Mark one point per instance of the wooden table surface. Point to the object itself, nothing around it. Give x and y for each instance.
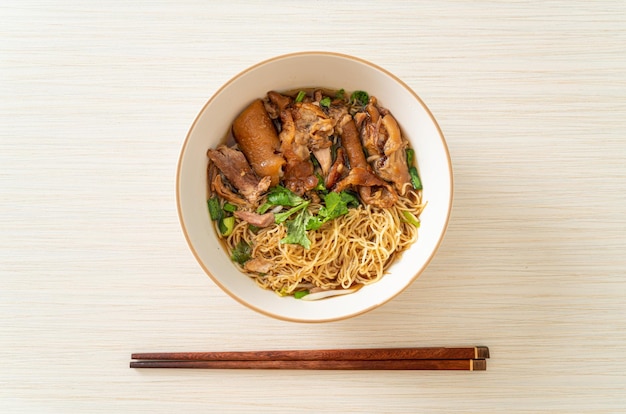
(96, 99)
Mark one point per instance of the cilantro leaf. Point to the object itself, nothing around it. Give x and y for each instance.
(350, 198)
(320, 187)
(336, 204)
(314, 222)
(280, 196)
(296, 230)
(241, 253)
(280, 217)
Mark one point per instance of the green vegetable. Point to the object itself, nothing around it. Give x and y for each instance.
(280, 196)
(262, 209)
(226, 225)
(280, 217)
(314, 222)
(300, 96)
(336, 204)
(300, 294)
(215, 211)
(360, 98)
(325, 102)
(410, 157)
(241, 253)
(296, 229)
(320, 187)
(341, 93)
(411, 219)
(415, 178)
(316, 163)
(225, 222)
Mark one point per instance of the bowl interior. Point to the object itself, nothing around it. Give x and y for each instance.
(313, 69)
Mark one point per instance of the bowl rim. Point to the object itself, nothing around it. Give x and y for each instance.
(286, 56)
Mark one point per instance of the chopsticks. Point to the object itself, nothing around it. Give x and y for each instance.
(426, 358)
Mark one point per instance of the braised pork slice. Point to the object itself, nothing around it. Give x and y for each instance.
(371, 137)
(336, 170)
(382, 139)
(258, 265)
(235, 167)
(372, 189)
(392, 166)
(313, 129)
(259, 220)
(298, 174)
(278, 102)
(224, 191)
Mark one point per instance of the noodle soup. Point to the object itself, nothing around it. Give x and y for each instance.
(315, 192)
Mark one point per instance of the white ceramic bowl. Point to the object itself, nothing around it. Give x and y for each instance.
(288, 72)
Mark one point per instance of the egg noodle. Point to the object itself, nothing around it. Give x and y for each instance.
(354, 249)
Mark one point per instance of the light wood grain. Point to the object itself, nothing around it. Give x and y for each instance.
(96, 98)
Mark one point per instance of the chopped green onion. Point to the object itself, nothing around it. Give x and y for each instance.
(300, 96)
(226, 225)
(410, 157)
(415, 178)
(325, 102)
(300, 294)
(360, 97)
(231, 208)
(262, 209)
(410, 218)
(215, 211)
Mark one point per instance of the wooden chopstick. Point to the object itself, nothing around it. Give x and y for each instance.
(428, 358)
(389, 364)
(436, 353)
